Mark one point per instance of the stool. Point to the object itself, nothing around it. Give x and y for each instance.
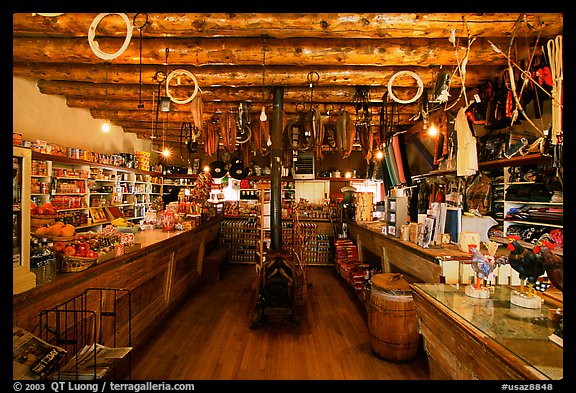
(212, 264)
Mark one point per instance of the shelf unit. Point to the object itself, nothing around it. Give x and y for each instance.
(77, 186)
(510, 204)
(240, 237)
(396, 214)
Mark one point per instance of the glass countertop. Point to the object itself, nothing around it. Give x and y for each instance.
(523, 331)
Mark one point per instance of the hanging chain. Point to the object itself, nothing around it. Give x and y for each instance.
(140, 28)
(312, 77)
(106, 64)
(263, 69)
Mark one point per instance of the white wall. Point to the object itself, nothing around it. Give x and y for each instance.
(47, 117)
(311, 190)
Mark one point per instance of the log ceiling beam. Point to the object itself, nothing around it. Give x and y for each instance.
(240, 57)
(247, 76)
(287, 25)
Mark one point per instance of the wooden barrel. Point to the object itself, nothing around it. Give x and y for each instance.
(392, 318)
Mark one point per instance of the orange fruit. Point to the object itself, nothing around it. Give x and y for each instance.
(67, 231)
(42, 231)
(69, 251)
(54, 230)
(59, 223)
(47, 205)
(59, 246)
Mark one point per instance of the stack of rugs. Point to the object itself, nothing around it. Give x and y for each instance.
(348, 265)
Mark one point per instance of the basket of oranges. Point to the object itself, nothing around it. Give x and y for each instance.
(57, 231)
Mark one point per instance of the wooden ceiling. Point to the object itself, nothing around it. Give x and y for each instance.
(240, 58)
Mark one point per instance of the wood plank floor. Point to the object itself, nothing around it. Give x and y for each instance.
(208, 337)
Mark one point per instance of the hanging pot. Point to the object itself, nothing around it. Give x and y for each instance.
(237, 170)
(217, 168)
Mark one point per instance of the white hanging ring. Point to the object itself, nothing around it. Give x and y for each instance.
(48, 15)
(188, 74)
(94, 45)
(413, 75)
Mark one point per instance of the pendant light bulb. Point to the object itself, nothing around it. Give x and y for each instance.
(105, 127)
(432, 131)
(166, 152)
(263, 116)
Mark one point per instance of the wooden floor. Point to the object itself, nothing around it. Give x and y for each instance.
(208, 337)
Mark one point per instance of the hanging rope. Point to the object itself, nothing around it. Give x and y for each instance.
(556, 68)
(525, 74)
(461, 65)
(418, 81)
(94, 44)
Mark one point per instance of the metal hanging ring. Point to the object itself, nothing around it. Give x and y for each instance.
(94, 45)
(413, 75)
(313, 77)
(244, 135)
(159, 76)
(188, 74)
(144, 24)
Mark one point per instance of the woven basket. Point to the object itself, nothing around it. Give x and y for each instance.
(76, 264)
(37, 221)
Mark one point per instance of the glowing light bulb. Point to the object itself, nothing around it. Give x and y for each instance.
(206, 168)
(263, 116)
(348, 174)
(379, 155)
(166, 152)
(105, 127)
(432, 131)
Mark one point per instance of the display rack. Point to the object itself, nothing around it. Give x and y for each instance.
(82, 185)
(97, 316)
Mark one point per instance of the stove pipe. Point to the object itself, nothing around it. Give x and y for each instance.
(275, 174)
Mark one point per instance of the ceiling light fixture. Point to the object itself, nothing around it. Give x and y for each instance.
(432, 131)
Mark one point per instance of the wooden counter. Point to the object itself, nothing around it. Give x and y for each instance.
(157, 277)
(420, 263)
(486, 339)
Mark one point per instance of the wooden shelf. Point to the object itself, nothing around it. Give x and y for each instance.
(75, 161)
(528, 159)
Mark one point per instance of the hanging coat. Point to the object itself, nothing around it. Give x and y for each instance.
(466, 155)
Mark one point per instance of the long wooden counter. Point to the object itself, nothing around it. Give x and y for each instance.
(420, 263)
(157, 277)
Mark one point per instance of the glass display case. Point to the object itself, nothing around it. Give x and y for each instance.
(23, 278)
(511, 331)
